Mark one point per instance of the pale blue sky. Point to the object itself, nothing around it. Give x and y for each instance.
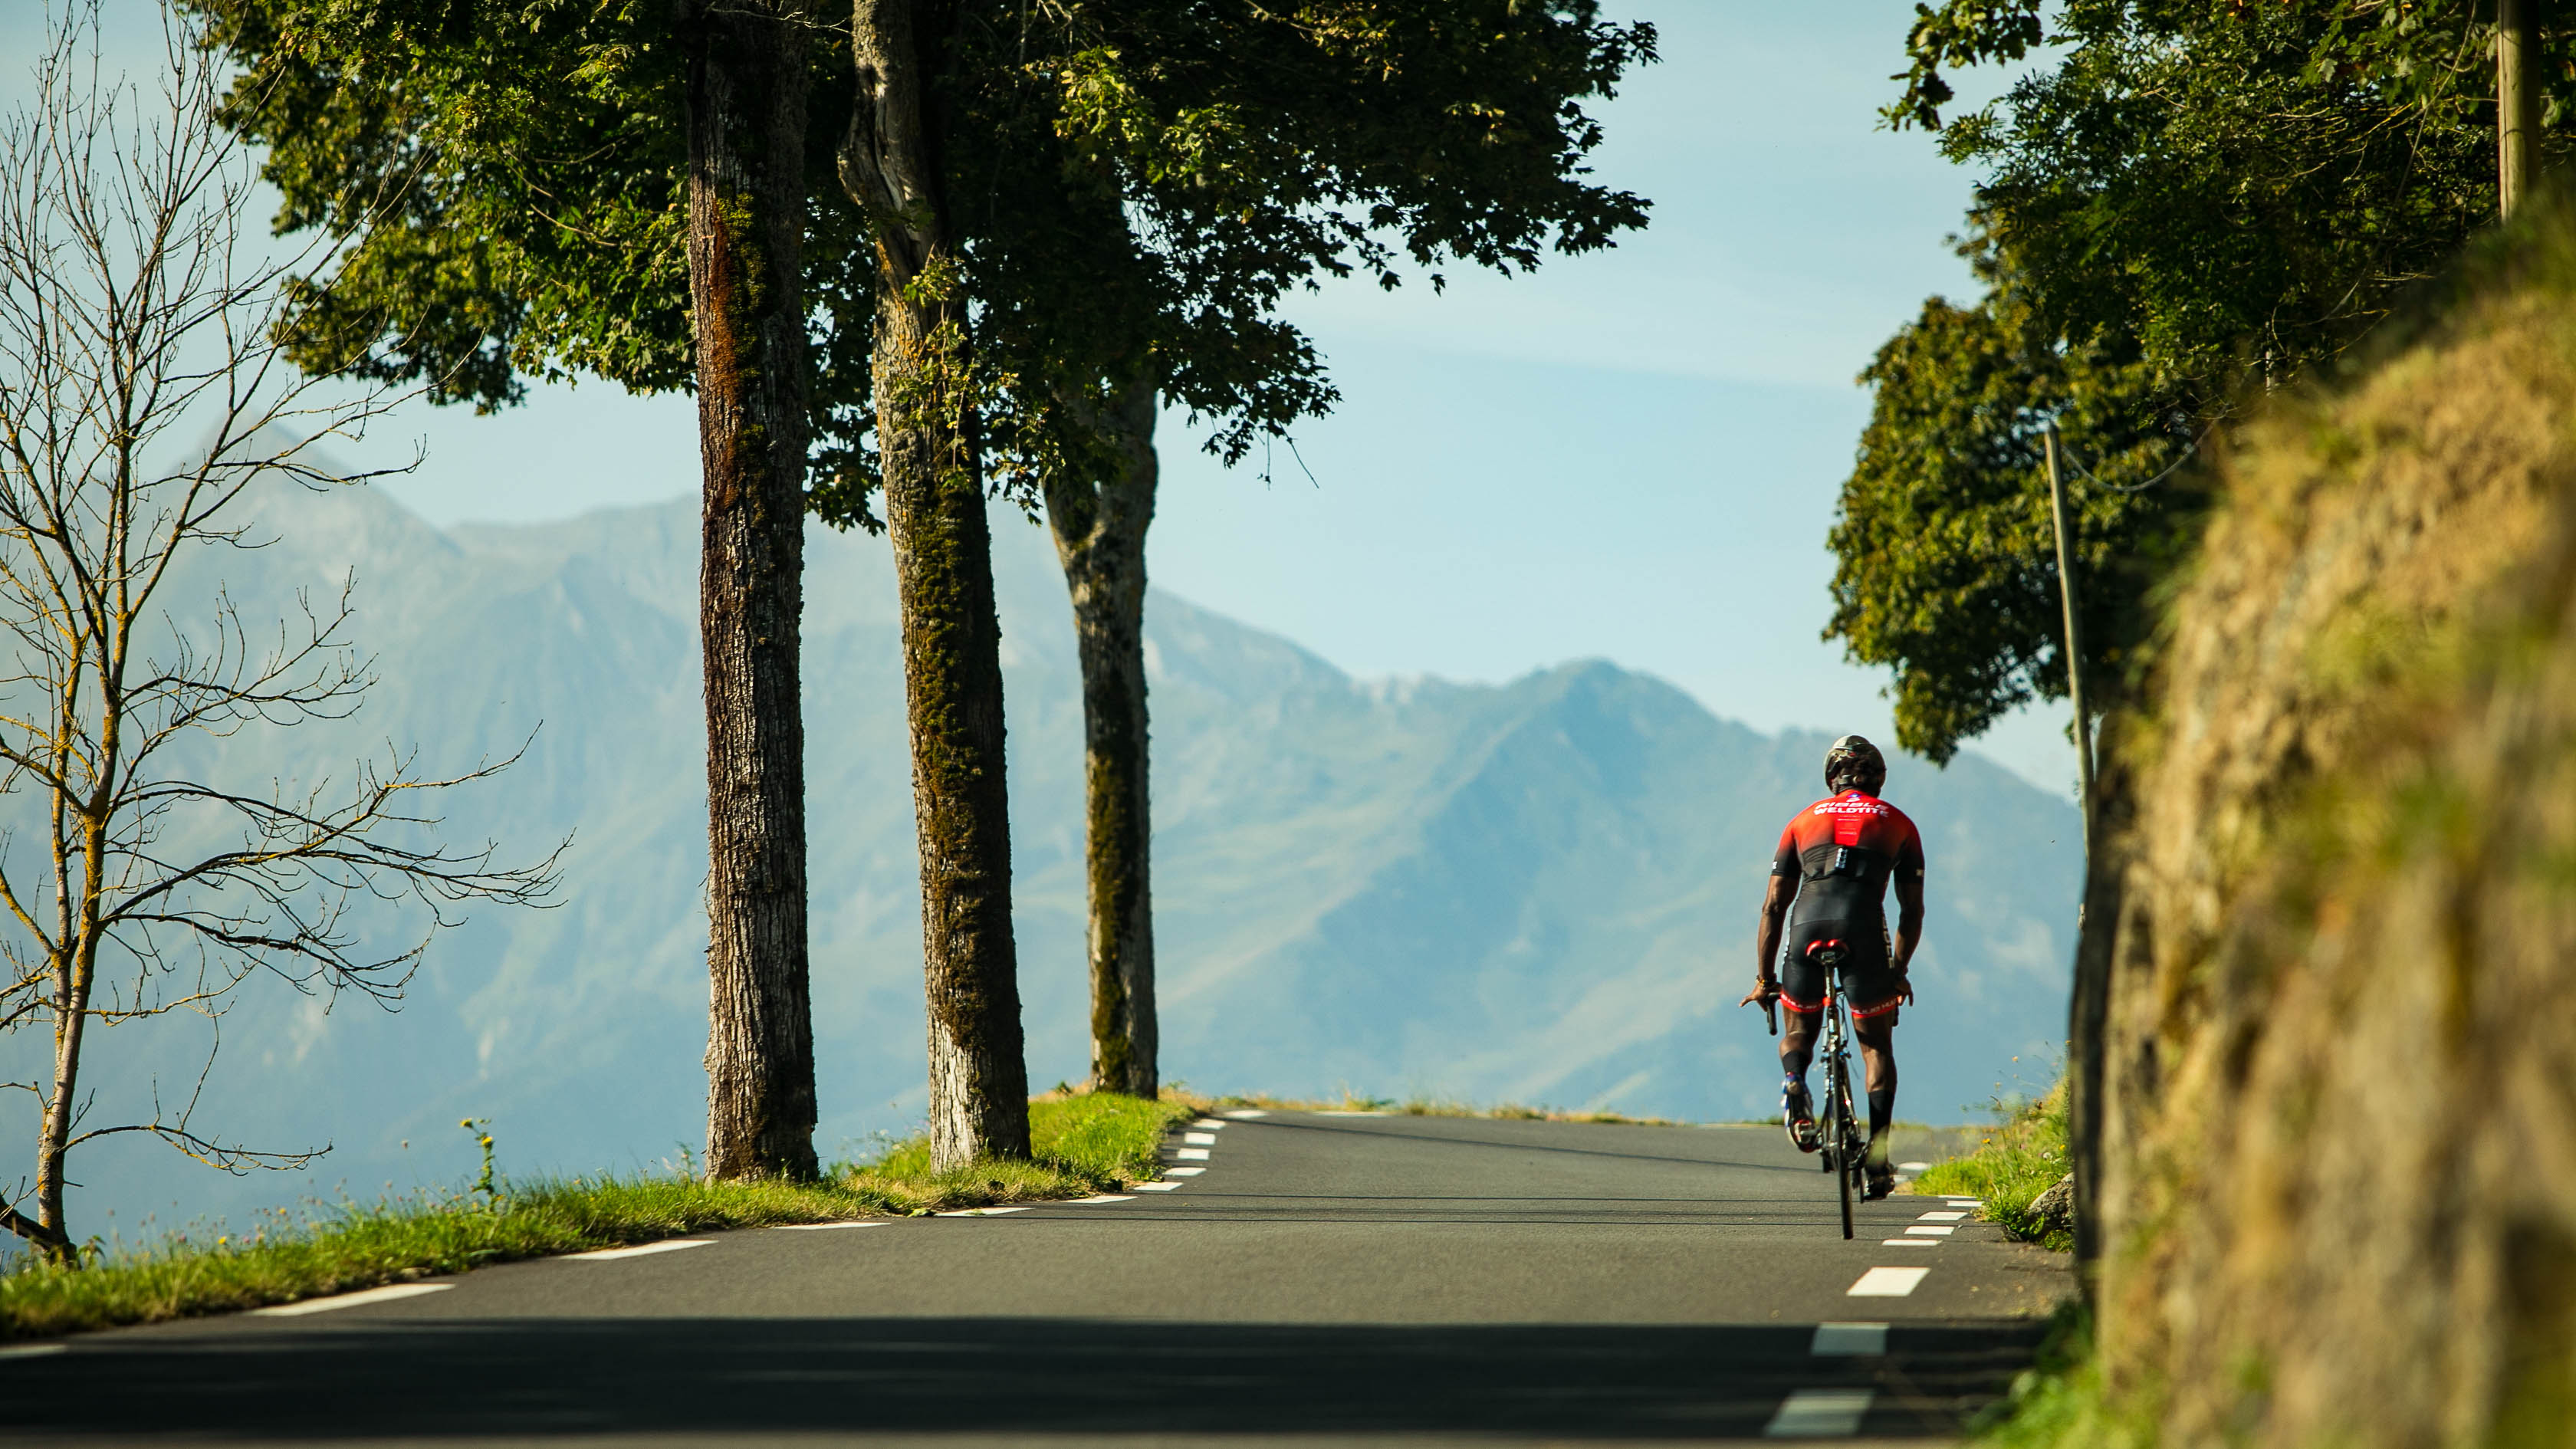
(1631, 455)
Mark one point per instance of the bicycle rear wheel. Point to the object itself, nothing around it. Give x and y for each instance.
(1839, 1108)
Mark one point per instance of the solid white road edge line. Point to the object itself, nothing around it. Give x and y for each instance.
(1887, 1283)
(1820, 1414)
(386, 1294)
(31, 1350)
(1246, 1114)
(610, 1255)
(1849, 1340)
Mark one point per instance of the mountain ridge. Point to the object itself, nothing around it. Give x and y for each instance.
(1538, 890)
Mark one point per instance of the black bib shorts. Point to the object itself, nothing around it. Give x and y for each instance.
(1870, 982)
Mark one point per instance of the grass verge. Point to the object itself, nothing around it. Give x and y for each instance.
(2058, 1402)
(2021, 1158)
(1083, 1144)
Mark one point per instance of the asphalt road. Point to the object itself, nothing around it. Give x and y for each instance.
(1324, 1279)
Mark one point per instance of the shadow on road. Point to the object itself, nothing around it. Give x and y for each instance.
(730, 1377)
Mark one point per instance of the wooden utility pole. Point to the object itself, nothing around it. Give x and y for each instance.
(2074, 642)
(2088, 1000)
(2517, 102)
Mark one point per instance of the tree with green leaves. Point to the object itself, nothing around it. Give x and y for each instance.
(1171, 175)
(551, 187)
(1063, 217)
(2187, 205)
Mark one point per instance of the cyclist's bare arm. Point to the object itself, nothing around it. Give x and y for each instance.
(1766, 935)
(1909, 925)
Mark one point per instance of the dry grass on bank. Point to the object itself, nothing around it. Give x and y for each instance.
(1418, 1106)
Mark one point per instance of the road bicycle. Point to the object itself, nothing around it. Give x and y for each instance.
(1844, 1147)
(1846, 1143)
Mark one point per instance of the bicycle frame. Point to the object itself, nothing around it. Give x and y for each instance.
(1845, 1146)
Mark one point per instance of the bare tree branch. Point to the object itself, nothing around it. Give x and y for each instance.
(144, 404)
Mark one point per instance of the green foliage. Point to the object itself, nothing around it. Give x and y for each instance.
(1084, 1145)
(2193, 202)
(1142, 182)
(1136, 184)
(2024, 1156)
(510, 178)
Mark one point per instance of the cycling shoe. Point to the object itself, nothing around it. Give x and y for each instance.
(1798, 1116)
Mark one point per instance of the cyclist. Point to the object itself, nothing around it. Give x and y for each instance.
(1834, 862)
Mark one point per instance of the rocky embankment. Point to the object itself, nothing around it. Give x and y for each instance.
(2338, 876)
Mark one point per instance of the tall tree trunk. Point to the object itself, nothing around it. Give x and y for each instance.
(952, 641)
(1100, 538)
(49, 1233)
(746, 123)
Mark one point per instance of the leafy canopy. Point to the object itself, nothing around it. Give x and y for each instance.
(1137, 185)
(2187, 204)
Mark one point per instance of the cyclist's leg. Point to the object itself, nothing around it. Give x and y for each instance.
(1877, 1038)
(1802, 995)
(1875, 994)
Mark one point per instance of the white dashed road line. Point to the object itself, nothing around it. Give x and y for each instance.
(1952, 1216)
(1909, 1242)
(1849, 1340)
(1199, 1139)
(31, 1350)
(1914, 1167)
(823, 1227)
(1888, 1283)
(1191, 1154)
(1938, 1230)
(610, 1255)
(386, 1294)
(1104, 1197)
(1209, 1124)
(1820, 1414)
(1246, 1114)
(1349, 1113)
(987, 1212)
(1154, 1186)
(1183, 1171)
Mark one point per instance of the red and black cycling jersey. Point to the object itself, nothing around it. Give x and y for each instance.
(1841, 850)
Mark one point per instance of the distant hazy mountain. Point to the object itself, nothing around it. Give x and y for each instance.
(1542, 891)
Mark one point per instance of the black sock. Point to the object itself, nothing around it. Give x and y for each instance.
(1882, 1110)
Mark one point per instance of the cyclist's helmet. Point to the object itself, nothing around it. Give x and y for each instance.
(1854, 761)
